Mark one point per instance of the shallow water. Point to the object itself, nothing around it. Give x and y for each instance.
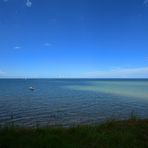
(70, 101)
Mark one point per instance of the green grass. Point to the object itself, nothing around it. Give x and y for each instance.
(112, 134)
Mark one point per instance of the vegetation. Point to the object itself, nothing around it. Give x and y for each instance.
(131, 133)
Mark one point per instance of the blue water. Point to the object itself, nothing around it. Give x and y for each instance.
(71, 101)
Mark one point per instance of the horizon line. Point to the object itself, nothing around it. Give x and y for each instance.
(66, 78)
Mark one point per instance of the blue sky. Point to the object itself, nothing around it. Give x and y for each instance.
(74, 38)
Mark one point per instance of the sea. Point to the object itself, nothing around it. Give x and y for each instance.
(70, 102)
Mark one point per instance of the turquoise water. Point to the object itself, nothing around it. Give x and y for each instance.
(136, 89)
(71, 101)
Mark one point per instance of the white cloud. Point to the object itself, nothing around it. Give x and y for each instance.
(146, 1)
(28, 3)
(17, 47)
(47, 44)
(141, 72)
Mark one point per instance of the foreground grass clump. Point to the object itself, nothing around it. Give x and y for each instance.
(112, 134)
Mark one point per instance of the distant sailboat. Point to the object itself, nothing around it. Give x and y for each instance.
(31, 88)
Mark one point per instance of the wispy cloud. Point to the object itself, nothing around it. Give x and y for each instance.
(141, 72)
(146, 58)
(17, 47)
(52, 21)
(28, 3)
(47, 44)
(2, 72)
(146, 2)
(5, 0)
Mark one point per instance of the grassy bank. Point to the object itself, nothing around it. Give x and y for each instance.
(112, 134)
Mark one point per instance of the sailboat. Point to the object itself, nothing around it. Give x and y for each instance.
(31, 88)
